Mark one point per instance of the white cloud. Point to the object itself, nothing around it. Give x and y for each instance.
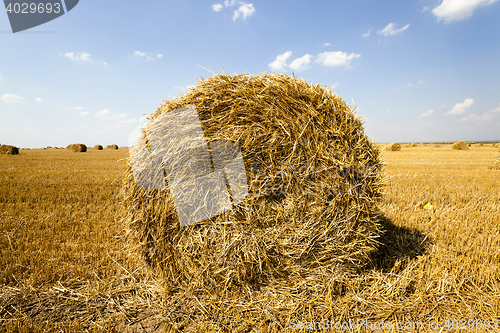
(245, 10)
(336, 58)
(10, 98)
(228, 3)
(460, 108)
(280, 63)
(108, 115)
(326, 44)
(497, 109)
(456, 10)
(368, 33)
(408, 85)
(84, 113)
(426, 8)
(217, 7)
(390, 30)
(79, 57)
(148, 56)
(38, 99)
(426, 114)
(183, 88)
(301, 63)
(76, 108)
(122, 124)
(490, 114)
(422, 82)
(474, 117)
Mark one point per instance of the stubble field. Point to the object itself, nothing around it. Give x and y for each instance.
(64, 264)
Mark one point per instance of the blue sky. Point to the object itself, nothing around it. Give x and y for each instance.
(419, 70)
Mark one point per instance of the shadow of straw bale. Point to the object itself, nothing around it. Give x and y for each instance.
(398, 243)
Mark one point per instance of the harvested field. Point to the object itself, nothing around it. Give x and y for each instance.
(64, 259)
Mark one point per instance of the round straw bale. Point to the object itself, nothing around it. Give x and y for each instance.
(98, 147)
(9, 150)
(461, 145)
(414, 145)
(496, 164)
(393, 146)
(112, 147)
(437, 146)
(314, 181)
(79, 147)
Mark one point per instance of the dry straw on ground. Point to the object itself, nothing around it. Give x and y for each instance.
(393, 146)
(461, 145)
(112, 147)
(77, 147)
(309, 220)
(98, 147)
(414, 145)
(9, 150)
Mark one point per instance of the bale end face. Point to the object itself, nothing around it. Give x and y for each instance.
(313, 187)
(98, 147)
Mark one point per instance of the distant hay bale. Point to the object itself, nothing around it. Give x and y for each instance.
(300, 145)
(406, 146)
(497, 145)
(78, 147)
(112, 147)
(393, 146)
(480, 144)
(414, 145)
(496, 164)
(461, 145)
(9, 150)
(437, 146)
(98, 147)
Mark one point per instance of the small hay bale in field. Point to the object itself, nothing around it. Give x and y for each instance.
(393, 146)
(406, 146)
(461, 145)
(480, 144)
(98, 147)
(79, 148)
(311, 208)
(112, 147)
(9, 150)
(437, 146)
(414, 145)
(496, 164)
